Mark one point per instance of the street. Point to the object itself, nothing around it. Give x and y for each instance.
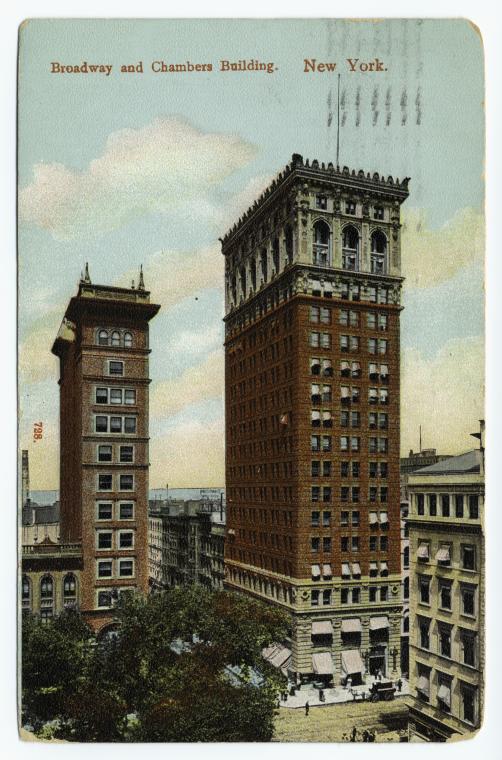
(331, 722)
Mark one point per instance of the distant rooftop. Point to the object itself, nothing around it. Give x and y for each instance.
(463, 463)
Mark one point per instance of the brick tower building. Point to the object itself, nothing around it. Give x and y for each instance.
(103, 350)
(312, 286)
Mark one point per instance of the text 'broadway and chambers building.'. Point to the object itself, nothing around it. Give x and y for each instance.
(312, 288)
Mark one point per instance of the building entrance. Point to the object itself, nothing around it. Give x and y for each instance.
(378, 660)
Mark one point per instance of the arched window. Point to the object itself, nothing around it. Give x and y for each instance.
(115, 338)
(350, 248)
(288, 239)
(103, 338)
(406, 556)
(128, 340)
(321, 254)
(243, 281)
(25, 591)
(378, 252)
(46, 587)
(69, 586)
(276, 255)
(264, 265)
(406, 624)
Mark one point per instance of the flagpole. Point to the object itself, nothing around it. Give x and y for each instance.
(338, 125)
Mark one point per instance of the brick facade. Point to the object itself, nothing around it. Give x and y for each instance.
(312, 409)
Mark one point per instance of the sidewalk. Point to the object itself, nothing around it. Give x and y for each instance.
(337, 695)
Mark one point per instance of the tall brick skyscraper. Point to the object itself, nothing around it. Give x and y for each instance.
(103, 350)
(312, 284)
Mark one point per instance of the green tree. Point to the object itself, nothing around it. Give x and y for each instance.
(186, 665)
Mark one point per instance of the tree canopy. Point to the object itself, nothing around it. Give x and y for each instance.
(185, 665)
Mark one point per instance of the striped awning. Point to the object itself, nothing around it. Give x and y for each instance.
(351, 625)
(423, 551)
(352, 662)
(378, 623)
(326, 570)
(322, 663)
(316, 571)
(444, 694)
(345, 568)
(322, 628)
(443, 554)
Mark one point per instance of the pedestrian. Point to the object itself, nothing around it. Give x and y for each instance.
(399, 685)
(321, 695)
(379, 675)
(371, 736)
(348, 682)
(307, 708)
(353, 734)
(366, 736)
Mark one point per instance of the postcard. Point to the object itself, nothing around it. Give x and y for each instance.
(251, 380)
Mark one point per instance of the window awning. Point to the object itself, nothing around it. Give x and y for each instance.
(352, 662)
(345, 568)
(356, 568)
(373, 565)
(384, 518)
(352, 625)
(344, 391)
(277, 655)
(443, 554)
(444, 694)
(322, 663)
(373, 518)
(328, 287)
(373, 368)
(373, 393)
(384, 369)
(344, 365)
(316, 571)
(356, 366)
(384, 567)
(322, 628)
(423, 551)
(377, 623)
(423, 685)
(326, 570)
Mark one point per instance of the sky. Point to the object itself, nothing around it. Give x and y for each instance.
(152, 168)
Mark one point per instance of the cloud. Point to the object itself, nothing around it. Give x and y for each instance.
(431, 256)
(200, 383)
(173, 275)
(192, 454)
(36, 363)
(162, 167)
(444, 394)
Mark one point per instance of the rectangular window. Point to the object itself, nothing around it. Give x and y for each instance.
(468, 558)
(325, 315)
(373, 543)
(315, 469)
(129, 396)
(424, 589)
(473, 506)
(325, 340)
(105, 482)
(382, 347)
(444, 640)
(468, 701)
(343, 317)
(344, 518)
(314, 598)
(459, 505)
(315, 519)
(104, 453)
(444, 595)
(105, 568)
(116, 368)
(382, 322)
(344, 596)
(104, 539)
(314, 339)
(315, 544)
(372, 345)
(126, 510)
(355, 494)
(321, 201)
(432, 504)
(371, 320)
(314, 314)
(424, 633)
(420, 503)
(127, 453)
(468, 595)
(350, 208)
(354, 343)
(326, 596)
(126, 568)
(315, 493)
(355, 469)
(104, 598)
(326, 468)
(129, 424)
(344, 342)
(126, 482)
(326, 519)
(326, 443)
(315, 442)
(326, 544)
(445, 505)
(344, 544)
(105, 510)
(115, 395)
(354, 544)
(115, 424)
(101, 424)
(384, 593)
(373, 593)
(384, 543)
(356, 595)
(344, 469)
(126, 539)
(468, 645)
(101, 395)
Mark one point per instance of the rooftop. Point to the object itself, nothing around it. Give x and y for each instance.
(463, 463)
(336, 175)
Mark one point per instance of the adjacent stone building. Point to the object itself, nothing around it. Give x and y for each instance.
(447, 604)
(312, 293)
